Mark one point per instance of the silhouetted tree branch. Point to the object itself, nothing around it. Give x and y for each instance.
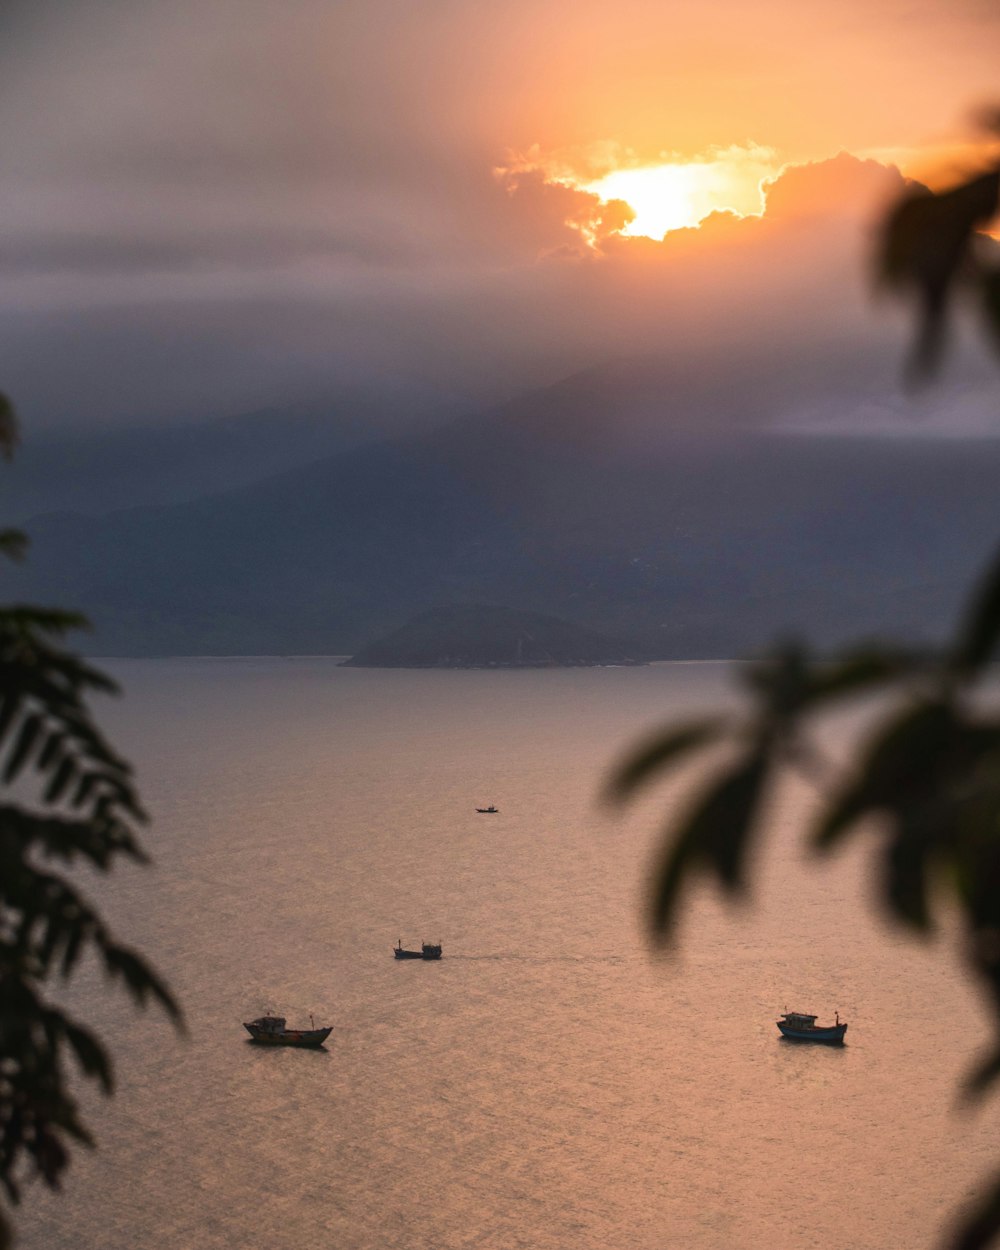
(86, 808)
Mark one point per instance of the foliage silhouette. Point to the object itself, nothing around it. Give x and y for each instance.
(928, 778)
(930, 247)
(85, 808)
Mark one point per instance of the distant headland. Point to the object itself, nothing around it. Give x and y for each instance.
(480, 636)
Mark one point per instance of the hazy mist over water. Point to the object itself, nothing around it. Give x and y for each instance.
(547, 1085)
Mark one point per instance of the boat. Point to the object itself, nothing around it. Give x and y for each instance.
(271, 1031)
(488, 810)
(802, 1028)
(427, 950)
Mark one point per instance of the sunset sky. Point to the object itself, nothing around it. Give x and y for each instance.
(209, 206)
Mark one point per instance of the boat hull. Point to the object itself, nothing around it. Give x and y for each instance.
(432, 953)
(832, 1034)
(288, 1037)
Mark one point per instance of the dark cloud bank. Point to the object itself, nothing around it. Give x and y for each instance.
(165, 323)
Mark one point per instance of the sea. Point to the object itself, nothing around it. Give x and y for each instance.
(555, 1082)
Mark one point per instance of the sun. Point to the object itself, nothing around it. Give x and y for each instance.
(681, 194)
(669, 191)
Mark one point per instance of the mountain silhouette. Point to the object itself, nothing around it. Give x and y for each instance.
(695, 544)
(482, 636)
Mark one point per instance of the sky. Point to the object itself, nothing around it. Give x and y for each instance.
(212, 206)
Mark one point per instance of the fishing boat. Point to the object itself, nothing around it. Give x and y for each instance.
(803, 1028)
(271, 1031)
(427, 951)
(491, 810)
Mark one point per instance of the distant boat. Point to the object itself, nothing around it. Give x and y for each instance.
(271, 1031)
(491, 808)
(802, 1028)
(427, 951)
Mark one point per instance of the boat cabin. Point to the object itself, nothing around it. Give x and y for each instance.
(270, 1024)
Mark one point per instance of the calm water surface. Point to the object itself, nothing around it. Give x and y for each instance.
(549, 1084)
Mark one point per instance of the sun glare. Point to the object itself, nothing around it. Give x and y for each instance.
(674, 192)
(678, 195)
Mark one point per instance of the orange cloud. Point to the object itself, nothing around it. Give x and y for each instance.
(666, 192)
(563, 219)
(843, 186)
(562, 214)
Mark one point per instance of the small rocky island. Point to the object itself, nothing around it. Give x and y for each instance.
(491, 637)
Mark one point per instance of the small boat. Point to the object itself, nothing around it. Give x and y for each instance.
(803, 1028)
(271, 1031)
(488, 810)
(427, 951)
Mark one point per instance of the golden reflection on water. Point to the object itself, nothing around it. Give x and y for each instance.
(548, 1084)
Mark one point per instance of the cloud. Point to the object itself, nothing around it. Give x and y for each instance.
(222, 322)
(213, 204)
(554, 218)
(138, 332)
(843, 187)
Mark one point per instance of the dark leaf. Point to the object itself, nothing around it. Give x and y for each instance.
(982, 1225)
(9, 434)
(662, 750)
(924, 244)
(71, 951)
(857, 672)
(140, 979)
(13, 544)
(97, 838)
(779, 680)
(979, 631)
(85, 789)
(51, 752)
(905, 874)
(12, 702)
(987, 116)
(61, 779)
(55, 621)
(30, 729)
(895, 770)
(50, 1154)
(714, 838)
(788, 683)
(982, 1076)
(45, 949)
(990, 296)
(90, 1054)
(44, 718)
